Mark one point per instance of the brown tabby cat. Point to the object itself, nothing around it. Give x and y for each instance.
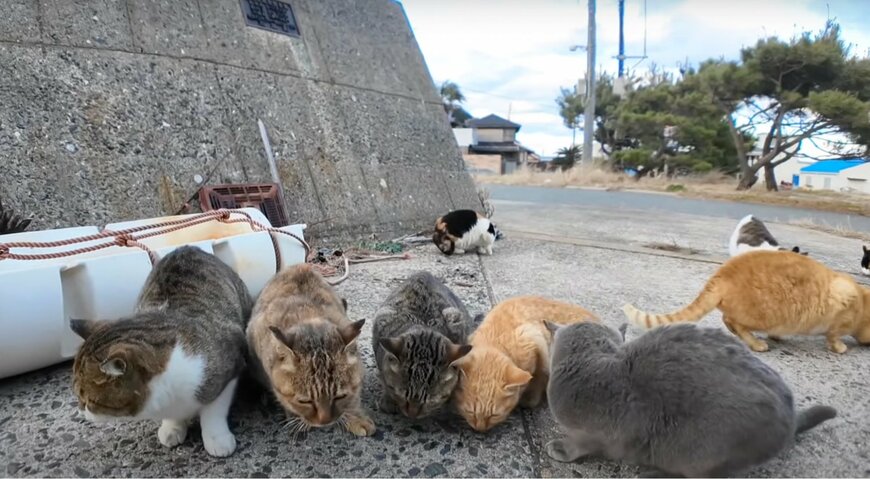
(509, 359)
(305, 351)
(779, 293)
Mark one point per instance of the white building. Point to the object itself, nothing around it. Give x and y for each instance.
(837, 175)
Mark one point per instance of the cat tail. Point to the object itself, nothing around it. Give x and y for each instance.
(707, 301)
(812, 417)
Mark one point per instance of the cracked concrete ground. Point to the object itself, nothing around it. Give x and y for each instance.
(588, 256)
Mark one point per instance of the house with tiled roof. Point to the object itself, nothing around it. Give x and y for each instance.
(489, 146)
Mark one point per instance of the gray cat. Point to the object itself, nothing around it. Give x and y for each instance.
(679, 401)
(177, 357)
(419, 331)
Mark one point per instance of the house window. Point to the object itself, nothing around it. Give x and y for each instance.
(827, 183)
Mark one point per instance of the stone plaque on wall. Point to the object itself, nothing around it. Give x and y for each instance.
(272, 15)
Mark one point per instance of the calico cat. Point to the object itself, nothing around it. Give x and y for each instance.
(419, 332)
(779, 293)
(865, 261)
(462, 230)
(305, 351)
(509, 359)
(751, 234)
(178, 356)
(678, 401)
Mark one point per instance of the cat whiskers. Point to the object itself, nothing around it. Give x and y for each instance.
(296, 426)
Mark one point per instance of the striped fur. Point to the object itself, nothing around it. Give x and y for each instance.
(778, 293)
(305, 351)
(177, 356)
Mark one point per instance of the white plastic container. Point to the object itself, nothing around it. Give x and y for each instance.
(39, 297)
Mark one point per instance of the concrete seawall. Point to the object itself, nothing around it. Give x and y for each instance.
(110, 109)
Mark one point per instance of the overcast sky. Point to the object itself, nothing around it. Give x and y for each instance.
(513, 54)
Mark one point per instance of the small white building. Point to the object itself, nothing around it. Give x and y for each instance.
(845, 175)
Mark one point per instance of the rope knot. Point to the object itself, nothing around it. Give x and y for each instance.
(224, 215)
(124, 239)
(4, 251)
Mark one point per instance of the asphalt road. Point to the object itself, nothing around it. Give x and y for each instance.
(621, 200)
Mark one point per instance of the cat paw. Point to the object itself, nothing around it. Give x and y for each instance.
(838, 347)
(172, 433)
(759, 346)
(562, 451)
(359, 425)
(219, 444)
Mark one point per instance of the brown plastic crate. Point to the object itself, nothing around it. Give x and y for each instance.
(265, 196)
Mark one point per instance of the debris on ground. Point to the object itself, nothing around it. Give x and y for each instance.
(332, 262)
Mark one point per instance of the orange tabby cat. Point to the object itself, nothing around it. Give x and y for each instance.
(779, 293)
(509, 358)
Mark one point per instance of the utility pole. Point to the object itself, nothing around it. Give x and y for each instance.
(589, 113)
(621, 56)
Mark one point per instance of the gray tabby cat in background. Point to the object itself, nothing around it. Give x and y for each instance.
(419, 332)
(680, 400)
(178, 356)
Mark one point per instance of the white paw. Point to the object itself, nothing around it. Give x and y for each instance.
(171, 433)
(219, 445)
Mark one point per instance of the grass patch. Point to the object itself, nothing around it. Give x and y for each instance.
(833, 230)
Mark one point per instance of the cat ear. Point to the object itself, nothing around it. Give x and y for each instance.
(552, 327)
(114, 366)
(392, 346)
(283, 338)
(83, 327)
(455, 352)
(622, 329)
(349, 332)
(865, 248)
(516, 378)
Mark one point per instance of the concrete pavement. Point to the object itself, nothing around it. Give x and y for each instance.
(590, 256)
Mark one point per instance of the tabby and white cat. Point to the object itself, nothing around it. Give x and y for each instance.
(419, 332)
(751, 234)
(778, 293)
(509, 359)
(680, 401)
(177, 357)
(305, 351)
(463, 230)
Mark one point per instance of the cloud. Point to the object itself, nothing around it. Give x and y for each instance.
(512, 55)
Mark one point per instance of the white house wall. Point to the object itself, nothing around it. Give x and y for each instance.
(858, 178)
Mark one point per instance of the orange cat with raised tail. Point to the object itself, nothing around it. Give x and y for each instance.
(509, 359)
(779, 293)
